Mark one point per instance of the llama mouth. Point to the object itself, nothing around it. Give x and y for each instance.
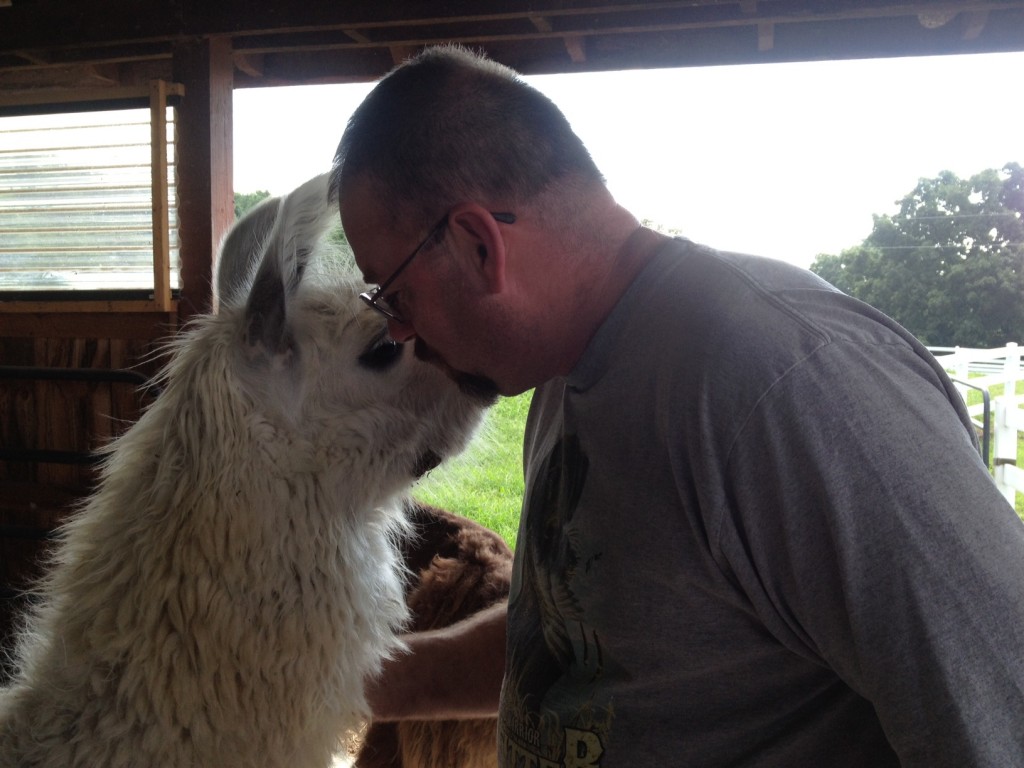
(426, 462)
(478, 388)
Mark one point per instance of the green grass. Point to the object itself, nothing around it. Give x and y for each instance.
(485, 483)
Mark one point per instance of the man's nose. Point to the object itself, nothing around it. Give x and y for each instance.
(400, 331)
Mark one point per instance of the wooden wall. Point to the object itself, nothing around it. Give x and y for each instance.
(41, 413)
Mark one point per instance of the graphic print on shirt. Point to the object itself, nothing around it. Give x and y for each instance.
(549, 716)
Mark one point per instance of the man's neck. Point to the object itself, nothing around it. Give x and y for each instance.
(610, 281)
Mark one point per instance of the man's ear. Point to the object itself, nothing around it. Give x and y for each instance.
(480, 240)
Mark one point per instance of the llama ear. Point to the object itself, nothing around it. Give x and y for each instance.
(303, 216)
(241, 249)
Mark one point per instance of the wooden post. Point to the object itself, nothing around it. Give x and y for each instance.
(158, 173)
(205, 175)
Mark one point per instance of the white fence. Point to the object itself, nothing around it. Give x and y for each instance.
(998, 417)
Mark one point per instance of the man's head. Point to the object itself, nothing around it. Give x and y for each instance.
(462, 183)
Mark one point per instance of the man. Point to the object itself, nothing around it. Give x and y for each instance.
(756, 529)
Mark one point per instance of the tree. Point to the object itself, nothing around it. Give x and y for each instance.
(246, 200)
(949, 266)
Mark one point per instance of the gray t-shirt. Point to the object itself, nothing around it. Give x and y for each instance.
(757, 532)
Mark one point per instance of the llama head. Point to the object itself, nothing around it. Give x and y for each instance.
(318, 363)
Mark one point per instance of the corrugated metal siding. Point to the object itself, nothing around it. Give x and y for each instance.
(76, 201)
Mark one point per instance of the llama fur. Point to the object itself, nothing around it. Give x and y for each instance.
(458, 568)
(220, 599)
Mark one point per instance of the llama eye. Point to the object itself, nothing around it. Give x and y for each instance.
(381, 355)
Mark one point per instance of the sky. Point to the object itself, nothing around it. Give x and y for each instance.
(782, 160)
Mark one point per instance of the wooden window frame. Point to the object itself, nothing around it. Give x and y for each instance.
(157, 96)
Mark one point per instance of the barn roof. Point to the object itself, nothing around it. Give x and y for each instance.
(78, 43)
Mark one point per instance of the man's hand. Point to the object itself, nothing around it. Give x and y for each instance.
(452, 673)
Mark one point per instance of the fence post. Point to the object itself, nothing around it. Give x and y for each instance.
(1011, 368)
(1004, 446)
(961, 372)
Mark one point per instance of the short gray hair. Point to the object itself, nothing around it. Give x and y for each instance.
(451, 125)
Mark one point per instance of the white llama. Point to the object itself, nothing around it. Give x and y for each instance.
(220, 599)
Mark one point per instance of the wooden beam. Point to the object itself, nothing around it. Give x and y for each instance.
(400, 53)
(345, 42)
(604, 21)
(205, 173)
(249, 63)
(70, 24)
(33, 57)
(358, 36)
(933, 19)
(102, 320)
(974, 23)
(541, 23)
(42, 101)
(574, 44)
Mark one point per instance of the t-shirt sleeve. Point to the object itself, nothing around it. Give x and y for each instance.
(869, 535)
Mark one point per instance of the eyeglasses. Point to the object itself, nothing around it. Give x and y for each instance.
(378, 299)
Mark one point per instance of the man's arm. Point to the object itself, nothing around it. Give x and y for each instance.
(448, 674)
(871, 535)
